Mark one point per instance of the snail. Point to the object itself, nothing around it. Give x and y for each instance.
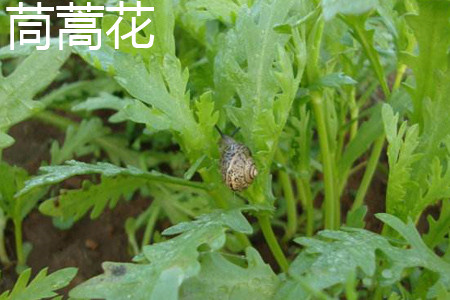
(236, 164)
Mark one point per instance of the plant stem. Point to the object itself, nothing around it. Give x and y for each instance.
(55, 120)
(370, 171)
(303, 182)
(354, 113)
(272, 242)
(151, 225)
(350, 287)
(19, 242)
(398, 78)
(332, 210)
(133, 243)
(304, 190)
(3, 254)
(291, 203)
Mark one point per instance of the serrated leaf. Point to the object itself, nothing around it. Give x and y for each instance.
(433, 17)
(146, 86)
(12, 179)
(366, 38)
(439, 228)
(346, 7)
(42, 286)
(372, 129)
(206, 114)
(402, 153)
(170, 101)
(390, 122)
(170, 264)
(30, 77)
(77, 141)
(438, 188)
(103, 101)
(265, 84)
(80, 89)
(74, 204)
(101, 59)
(333, 256)
(127, 109)
(418, 255)
(56, 174)
(222, 10)
(418, 177)
(336, 260)
(231, 218)
(221, 279)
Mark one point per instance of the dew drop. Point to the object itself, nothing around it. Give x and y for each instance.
(386, 274)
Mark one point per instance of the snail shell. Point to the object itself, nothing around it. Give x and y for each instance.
(237, 166)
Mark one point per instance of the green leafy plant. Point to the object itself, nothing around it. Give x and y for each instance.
(329, 97)
(42, 285)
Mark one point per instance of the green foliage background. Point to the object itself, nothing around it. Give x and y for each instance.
(321, 91)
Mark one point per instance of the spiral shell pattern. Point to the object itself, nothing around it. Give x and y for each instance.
(237, 165)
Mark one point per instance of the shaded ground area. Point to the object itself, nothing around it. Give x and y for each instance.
(85, 246)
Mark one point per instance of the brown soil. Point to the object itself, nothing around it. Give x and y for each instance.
(85, 246)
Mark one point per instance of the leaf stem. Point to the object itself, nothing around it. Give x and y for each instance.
(55, 120)
(398, 78)
(133, 243)
(354, 113)
(291, 203)
(303, 182)
(151, 224)
(19, 242)
(304, 190)
(370, 171)
(272, 242)
(332, 204)
(332, 210)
